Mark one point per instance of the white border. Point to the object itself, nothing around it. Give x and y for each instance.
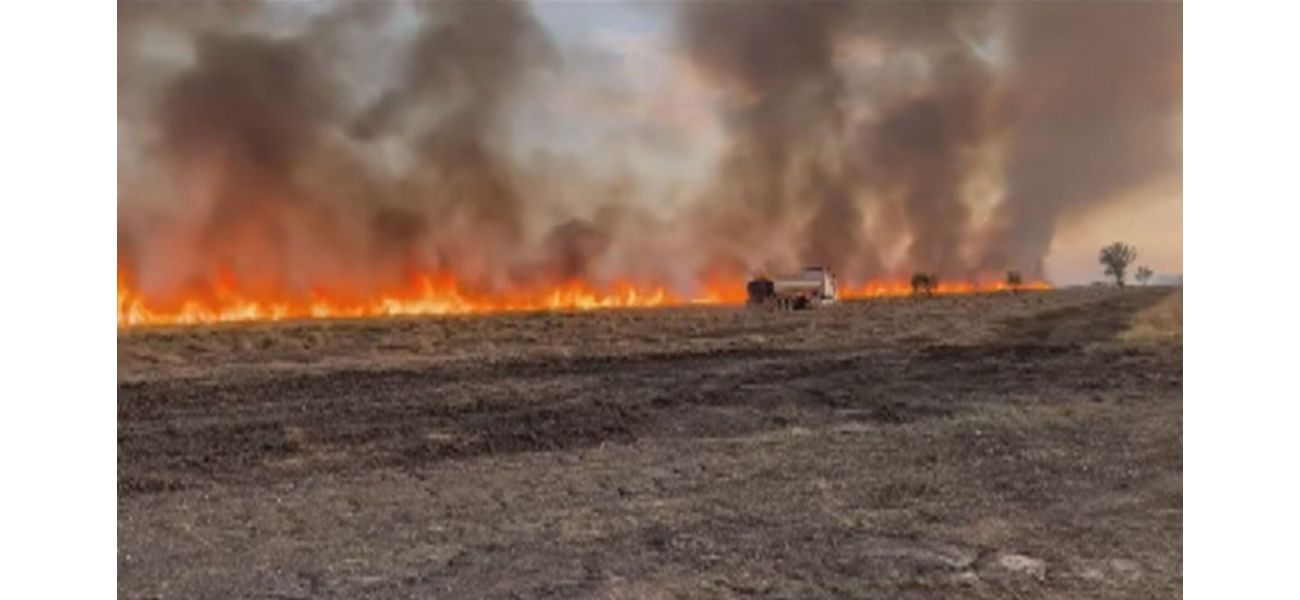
(1241, 408)
(1241, 413)
(58, 243)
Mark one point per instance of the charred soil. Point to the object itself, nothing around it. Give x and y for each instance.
(985, 446)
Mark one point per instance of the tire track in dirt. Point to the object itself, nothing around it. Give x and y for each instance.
(390, 418)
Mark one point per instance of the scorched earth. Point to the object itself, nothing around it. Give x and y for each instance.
(989, 446)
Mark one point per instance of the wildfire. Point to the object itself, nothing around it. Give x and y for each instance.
(885, 289)
(443, 295)
(426, 295)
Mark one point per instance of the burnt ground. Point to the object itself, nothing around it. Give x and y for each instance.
(992, 446)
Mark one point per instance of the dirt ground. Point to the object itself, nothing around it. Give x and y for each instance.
(991, 446)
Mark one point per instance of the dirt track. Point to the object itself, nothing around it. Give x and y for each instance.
(983, 446)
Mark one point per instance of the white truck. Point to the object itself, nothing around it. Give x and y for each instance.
(811, 288)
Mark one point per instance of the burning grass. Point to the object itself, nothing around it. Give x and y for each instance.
(426, 297)
(227, 300)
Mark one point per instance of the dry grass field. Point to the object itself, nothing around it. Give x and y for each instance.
(990, 446)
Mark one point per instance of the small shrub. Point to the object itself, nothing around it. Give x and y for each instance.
(925, 283)
(1014, 281)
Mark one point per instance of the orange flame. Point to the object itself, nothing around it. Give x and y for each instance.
(885, 289)
(443, 295)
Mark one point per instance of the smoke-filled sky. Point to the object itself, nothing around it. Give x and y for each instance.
(345, 145)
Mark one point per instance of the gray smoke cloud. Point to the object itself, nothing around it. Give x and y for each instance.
(269, 151)
(795, 168)
(1085, 96)
(347, 146)
(1096, 110)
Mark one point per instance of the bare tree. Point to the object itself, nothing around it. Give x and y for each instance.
(1014, 281)
(1143, 275)
(1116, 258)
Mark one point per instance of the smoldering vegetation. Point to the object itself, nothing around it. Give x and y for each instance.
(343, 147)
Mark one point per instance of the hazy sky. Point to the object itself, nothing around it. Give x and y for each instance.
(1150, 219)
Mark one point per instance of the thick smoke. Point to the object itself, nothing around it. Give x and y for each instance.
(777, 60)
(346, 147)
(1084, 97)
(1097, 111)
(794, 171)
(465, 62)
(271, 153)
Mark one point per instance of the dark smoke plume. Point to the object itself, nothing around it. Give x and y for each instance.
(1097, 111)
(1084, 98)
(269, 163)
(792, 169)
(777, 60)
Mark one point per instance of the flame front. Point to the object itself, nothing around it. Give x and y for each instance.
(443, 295)
(427, 295)
(885, 289)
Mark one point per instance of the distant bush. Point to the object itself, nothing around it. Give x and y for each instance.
(1143, 275)
(1014, 280)
(925, 283)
